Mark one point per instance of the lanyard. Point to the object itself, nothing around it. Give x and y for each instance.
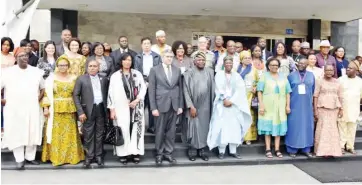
(296, 58)
(300, 77)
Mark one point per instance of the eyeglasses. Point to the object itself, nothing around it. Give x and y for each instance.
(63, 65)
(273, 65)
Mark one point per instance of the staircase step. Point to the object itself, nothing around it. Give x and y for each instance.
(180, 150)
(248, 159)
(150, 138)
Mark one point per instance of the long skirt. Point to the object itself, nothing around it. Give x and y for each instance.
(66, 146)
(326, 135)
(252, 133)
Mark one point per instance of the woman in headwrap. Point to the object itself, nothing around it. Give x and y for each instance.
(250, 77)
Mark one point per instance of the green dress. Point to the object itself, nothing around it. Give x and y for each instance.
(274, 120)
(66, 146)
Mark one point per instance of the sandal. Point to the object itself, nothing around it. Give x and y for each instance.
(248, 142)
(268, 154)
(278, 154)
(352, 151)
(293, 155)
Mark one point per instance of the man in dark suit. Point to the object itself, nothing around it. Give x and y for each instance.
(265, 54)
(62, 47)
(123, 48)
(143, 63)
(166, 100)
(90, 97)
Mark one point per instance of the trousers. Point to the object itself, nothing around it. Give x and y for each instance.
(347, 134)
(165, 132)
(232, 148)
(24, 152)
(93, 131)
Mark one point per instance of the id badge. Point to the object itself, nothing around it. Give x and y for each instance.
(183, 69)
(301, 89)
(343, 70)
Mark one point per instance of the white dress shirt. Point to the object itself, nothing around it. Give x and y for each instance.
(147, 63)
(97, 91)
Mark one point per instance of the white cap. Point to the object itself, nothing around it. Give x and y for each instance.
(160, 33)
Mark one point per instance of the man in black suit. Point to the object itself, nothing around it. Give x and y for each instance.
(265, 54)
(90, 97)
(123, 48)
(62, 47)
(166, 102)
(143, 63)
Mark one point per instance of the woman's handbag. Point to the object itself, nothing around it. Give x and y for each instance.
(113, 135)
(254, 103)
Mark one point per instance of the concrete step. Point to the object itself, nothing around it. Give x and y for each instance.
(150, 138)
(247, 159)
(179, 151)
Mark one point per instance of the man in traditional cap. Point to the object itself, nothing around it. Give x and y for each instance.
(161, 45)
(324, 58)
(199, 90)
(24, 89)
(352, 95)
(305, 48)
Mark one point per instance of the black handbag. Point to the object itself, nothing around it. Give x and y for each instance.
(113, 135)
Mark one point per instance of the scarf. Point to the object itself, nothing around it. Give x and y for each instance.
(245, 72)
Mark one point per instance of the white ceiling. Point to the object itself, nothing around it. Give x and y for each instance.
(333, 10)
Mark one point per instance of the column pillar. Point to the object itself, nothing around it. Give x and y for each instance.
(314, 32)
(63, 19)
(347, 35)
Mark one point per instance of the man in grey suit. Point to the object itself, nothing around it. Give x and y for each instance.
(166, 100)
(62, 47)
(143, 63)
(90, 98)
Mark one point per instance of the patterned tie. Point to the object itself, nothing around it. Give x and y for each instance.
(169, 73)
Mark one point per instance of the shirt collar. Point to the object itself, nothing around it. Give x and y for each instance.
(94, 77)
(144, 53)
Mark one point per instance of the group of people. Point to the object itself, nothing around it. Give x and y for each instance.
(216, 98)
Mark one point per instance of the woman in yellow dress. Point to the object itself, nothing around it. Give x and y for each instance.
(77, 61)
(250, 77)
(62, 144)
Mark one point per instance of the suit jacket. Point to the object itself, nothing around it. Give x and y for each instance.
(162, 93)
(33, 60)
(267, 53)
(60, 49)
(116, 57)
(109, 61)
(83, 95)
(138, 62)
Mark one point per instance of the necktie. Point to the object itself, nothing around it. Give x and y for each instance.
(169, 73)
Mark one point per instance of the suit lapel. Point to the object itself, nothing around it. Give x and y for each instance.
(90, 85)
(163, 74)
(174, 77)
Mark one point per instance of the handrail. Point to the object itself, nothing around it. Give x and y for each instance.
(22, 9)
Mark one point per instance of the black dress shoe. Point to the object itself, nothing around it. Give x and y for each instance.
(170, 159)
(87, 163)
(151, 130)
(33, 162)
(204, 157)
(192, 158)
(20, 166)
(236, 155)
(221, 156)
(100, 161)
(158, 160)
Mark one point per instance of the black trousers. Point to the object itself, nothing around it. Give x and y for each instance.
(165, 132)
(93, 131)
(151, 119)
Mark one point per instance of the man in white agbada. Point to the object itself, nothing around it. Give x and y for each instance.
(231, 116)
(24, 88)
(161, 45)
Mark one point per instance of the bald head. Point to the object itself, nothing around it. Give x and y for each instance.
(230, 46)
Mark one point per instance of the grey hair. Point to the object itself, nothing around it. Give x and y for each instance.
(228, 58)
(168, 51)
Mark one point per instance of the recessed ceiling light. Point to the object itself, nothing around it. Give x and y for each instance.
(206, 9)
(82, 5)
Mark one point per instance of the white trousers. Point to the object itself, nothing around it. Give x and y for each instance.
(347, 134)
(232, 148)
(20, 155)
